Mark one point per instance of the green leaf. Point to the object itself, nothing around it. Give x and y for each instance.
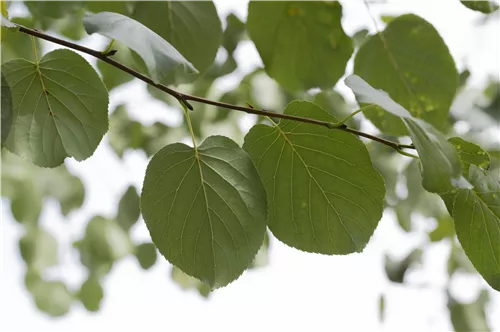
(120, 7)
(335, 104)
(233, 33)
(128, 208)
(360, 37)
(381, 307)
(112, 76)
(165, 64)
(146, 255)
(396, 270)
(60, 108)
(440, 162)
(323, 193)
(411, 62)
(6, 109)
(91, 294)
(38, 249)
(477, 222)
(485, 7)
(466, 317)
(302, 44)
(52, 297)
(192, 27)
(470, 154)
(205, 209)
(187, 282)
(5, 13)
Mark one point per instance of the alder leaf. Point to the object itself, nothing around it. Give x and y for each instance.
(205, 209)
(323, 193)
(410, 61)
(165, 64)
(441, 165)
(60, 108)
(301, 43)
(477, 222)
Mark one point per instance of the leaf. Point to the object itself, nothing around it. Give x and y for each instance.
(360, 37)
(146, 255)
(470, 154)
(38, 249)
(233, 33)
(17, 45)
(91, 294)
(381, 308)
(112, 76)
(128, 208)
(120, 7)
(60, 108)
(396, 270)
(187, 282)
(6, 109)
(444, 229)
(192, 27)
(52, 297)
(466, 317)
(205, 209)
(5, 13)
(411, 62)
(335, 104)
(165, 64)
(440, 162)
(302, 44)
(477, 222)
(485, 7)
(323, 193)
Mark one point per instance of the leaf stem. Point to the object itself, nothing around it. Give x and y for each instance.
(190, 126)
(184, 98)
(33, 46)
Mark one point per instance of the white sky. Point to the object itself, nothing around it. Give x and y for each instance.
(297, 291)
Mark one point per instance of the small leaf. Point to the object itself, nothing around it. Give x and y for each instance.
(52, 297)
(440, 162)
(444, 229)
(165, 64)
(146, 255)
(323, 193)
(411, 62)
(38, 249)
(396, 270)
(91, 294)
(128, 208)
(485, 7)
(60, 108)
(466, 317)
(233, 33)
(205, 208)
(470, 154)
(381, 307)
(192, 27)
(302, 44)
(477, 222)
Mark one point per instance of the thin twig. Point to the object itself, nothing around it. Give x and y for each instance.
(184, 98)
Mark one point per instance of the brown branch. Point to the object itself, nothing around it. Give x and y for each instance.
(185, 98)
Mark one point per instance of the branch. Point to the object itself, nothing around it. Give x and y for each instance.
(184, 98)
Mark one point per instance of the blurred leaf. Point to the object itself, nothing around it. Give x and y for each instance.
(27, 185)
(381, 307)
(192, 27)
(222, 194)
(335, 198)
(128, 208)
(458, 261)
(91, 294)
(5, 13)
(444, 229)
(187, 282)
(111, 76)
(333, 102)
(165, 64)
(44, 12)
(485, 7)
(411, 62)
(31, 278)
(52, 297)
(492, 92)
(307, 33)
(360, 37)
(387, 18)
(146, 255)
(396, 270)
(477, 218)
(233, 34)
(38, 249)
(463, 78)
(467, 317)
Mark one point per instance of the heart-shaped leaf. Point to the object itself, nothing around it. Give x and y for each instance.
(60, 108)
(323, 193)
(165, 64)
(205, 208)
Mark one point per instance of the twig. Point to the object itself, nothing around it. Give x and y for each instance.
(185, 98)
